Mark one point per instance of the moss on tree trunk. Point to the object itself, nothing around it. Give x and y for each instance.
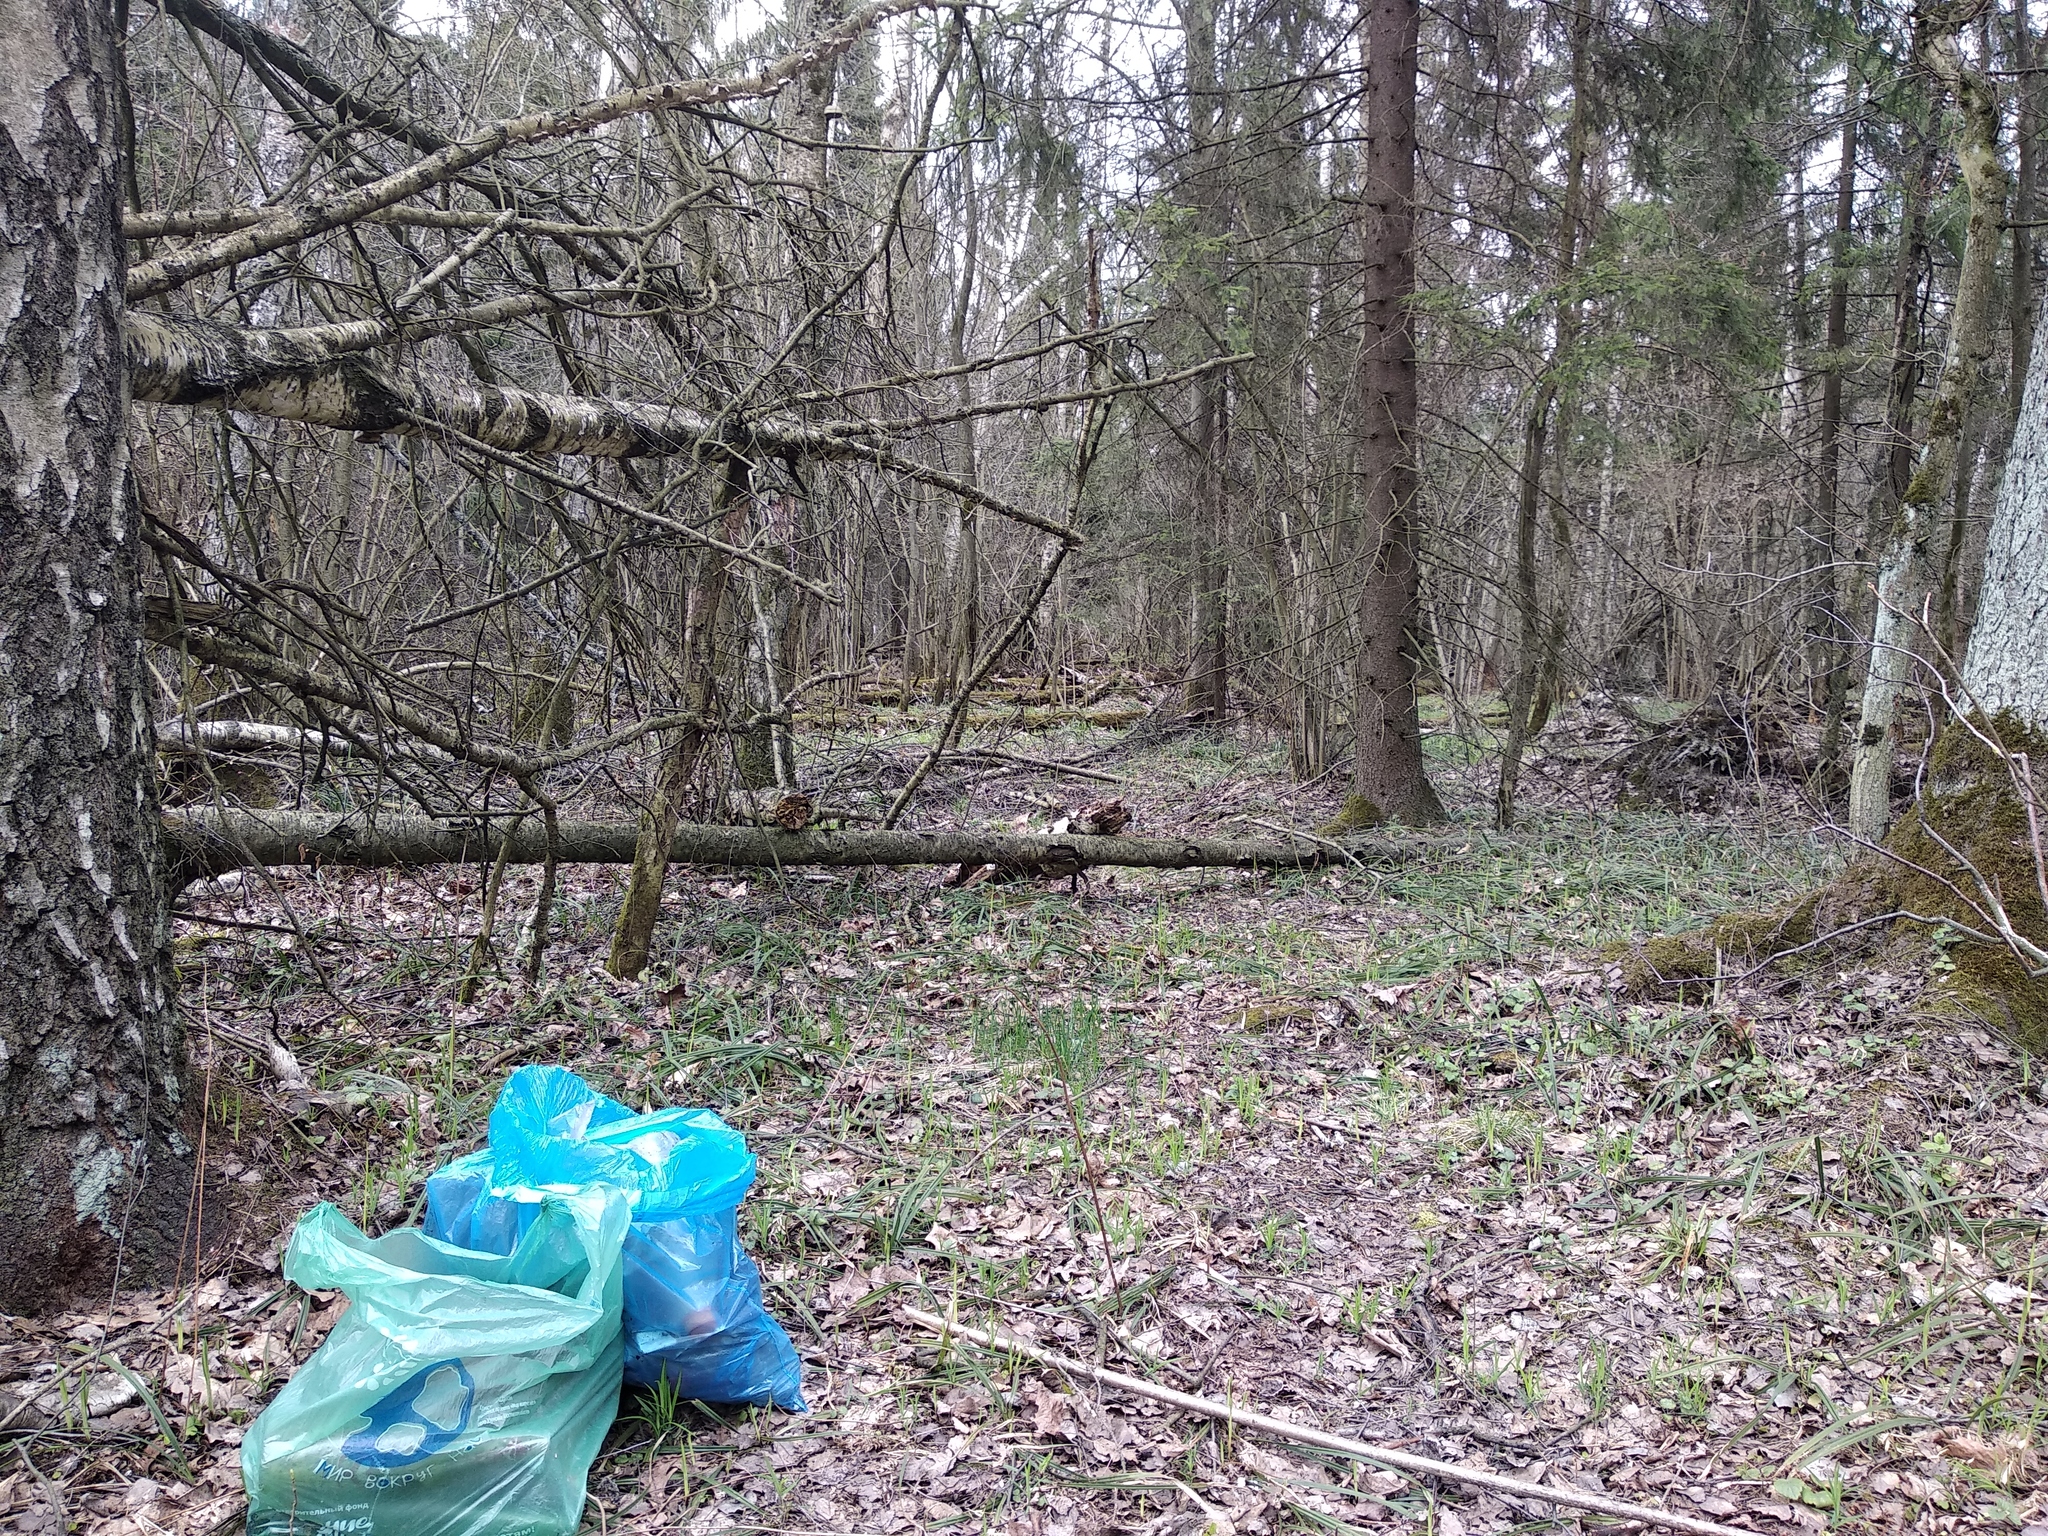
(1961, 864)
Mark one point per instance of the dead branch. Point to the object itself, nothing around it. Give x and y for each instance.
(1283, 1429)
(289, 225)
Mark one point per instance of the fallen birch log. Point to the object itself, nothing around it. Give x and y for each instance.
(212, 842)
(1301, 1434)
(232, 736)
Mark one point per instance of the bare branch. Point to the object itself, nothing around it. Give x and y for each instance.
(287, 226)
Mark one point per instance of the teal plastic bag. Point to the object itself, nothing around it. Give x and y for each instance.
(461, 1393)
(695, 1315)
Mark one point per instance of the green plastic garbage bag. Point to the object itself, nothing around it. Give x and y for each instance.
(461, 1393)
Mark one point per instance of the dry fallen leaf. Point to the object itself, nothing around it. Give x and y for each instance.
(2005, 1457)
(1050, 1410)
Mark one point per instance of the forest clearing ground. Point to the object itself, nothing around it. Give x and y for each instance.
(1389, 1151)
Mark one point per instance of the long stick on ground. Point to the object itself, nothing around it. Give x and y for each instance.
(1072, 770)
(1473, 1477)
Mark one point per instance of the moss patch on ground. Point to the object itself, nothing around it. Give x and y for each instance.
(1966, 846)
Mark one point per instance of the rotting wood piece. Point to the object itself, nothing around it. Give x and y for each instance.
(210, 842)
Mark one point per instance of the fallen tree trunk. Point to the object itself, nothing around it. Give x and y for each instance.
(212, 842)
(232, 736)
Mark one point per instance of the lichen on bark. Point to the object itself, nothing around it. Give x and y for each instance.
(89, 1092)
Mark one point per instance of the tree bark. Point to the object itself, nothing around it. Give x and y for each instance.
(1386, 726)
(89, 1049)
(640, 910)
(1208, 691)
(2026, 130)
(1902, 390)
(2007, 667)
(1209, 682)
(1903, 571)
(213, 842)
(959, 638)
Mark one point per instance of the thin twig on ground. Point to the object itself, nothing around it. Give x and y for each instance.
(1402, 1461)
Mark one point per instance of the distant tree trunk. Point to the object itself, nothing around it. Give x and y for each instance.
(1209, 686)
(1527, 599)
(1539, 658)
(89, 1044)
(812, 247)
(767, 755)
(1902, 573)
(959, 618)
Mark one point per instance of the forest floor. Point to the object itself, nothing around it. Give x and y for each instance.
(1390, 1151)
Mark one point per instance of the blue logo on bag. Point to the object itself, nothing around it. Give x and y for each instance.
(425, 1413)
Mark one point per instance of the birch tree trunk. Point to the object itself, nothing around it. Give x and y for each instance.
(89, 1090)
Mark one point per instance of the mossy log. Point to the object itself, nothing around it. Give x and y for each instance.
(1955, 890)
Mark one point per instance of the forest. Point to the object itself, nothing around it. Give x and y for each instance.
(1205, 769)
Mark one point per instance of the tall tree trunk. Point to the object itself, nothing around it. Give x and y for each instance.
(1209, 674)
(1209, 685)
(1540, 652)
(89, 1045)
(1387, 767)
(959, 618)
(1902, 573)
(2027, 129)
(1825, 633)
(1902, 390)
(633, 934)
(1527, 599)
(812, 250)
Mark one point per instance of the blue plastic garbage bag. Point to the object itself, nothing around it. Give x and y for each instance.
(694, 1313)
(460, 1394)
